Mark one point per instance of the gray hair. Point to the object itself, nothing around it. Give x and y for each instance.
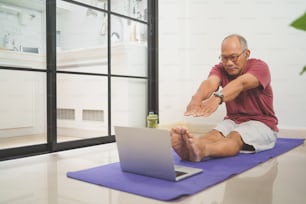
(242, 40)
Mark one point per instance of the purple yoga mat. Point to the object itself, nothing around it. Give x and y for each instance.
(214, 171)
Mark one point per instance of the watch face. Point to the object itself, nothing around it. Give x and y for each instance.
(219, 94)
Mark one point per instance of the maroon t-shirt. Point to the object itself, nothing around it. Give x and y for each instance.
(253, 104)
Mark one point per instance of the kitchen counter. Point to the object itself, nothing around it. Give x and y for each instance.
(67, 58)
(21, 59)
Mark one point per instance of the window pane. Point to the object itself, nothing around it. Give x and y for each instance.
(132, 8)
(22, 108)
(129, 47)
(129, 102)
(22, 34)
(96, 3)
(82, 107)
(81, 39)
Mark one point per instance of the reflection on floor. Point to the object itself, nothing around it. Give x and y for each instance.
(28, 140)
(64, 135)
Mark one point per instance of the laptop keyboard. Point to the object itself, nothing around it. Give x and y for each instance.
(179, 173)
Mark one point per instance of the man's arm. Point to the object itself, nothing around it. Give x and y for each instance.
(230, 92)
(205, 90)
(242, 83)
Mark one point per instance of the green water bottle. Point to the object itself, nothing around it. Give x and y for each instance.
(152, 120)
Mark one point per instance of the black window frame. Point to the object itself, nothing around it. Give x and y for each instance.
(51, 144)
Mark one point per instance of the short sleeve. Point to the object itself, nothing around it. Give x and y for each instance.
(260, 70)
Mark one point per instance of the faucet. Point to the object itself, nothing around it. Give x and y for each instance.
(15, 47)
(6, 40)
(11, 44)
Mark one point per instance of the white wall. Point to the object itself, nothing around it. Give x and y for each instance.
(190, 33)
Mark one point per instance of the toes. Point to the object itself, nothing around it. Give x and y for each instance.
(178, 143)
(194, 151)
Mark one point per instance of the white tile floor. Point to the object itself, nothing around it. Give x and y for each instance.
(42, 180)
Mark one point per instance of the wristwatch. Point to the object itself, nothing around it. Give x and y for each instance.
(220, 95)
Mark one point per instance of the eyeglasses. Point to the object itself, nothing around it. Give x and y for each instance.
(233, 58)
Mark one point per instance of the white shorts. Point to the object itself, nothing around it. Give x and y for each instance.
(253, 133)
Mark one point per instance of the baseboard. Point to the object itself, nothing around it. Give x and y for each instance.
(293, 133)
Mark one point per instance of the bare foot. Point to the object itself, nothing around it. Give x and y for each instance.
(178, 142)
(195, 149)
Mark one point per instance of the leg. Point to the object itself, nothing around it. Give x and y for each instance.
(224, 147)
(228, 146)
(180, 138)
(213, 144)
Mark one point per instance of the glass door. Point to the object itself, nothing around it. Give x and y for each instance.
(70, 70)
(101, 67)
(22, 74)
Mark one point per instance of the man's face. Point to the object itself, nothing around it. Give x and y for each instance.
(233, 56)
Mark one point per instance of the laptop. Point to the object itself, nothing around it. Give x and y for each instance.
(148, 151)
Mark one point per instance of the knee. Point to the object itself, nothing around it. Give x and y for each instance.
(236, 138)
(215, 133)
